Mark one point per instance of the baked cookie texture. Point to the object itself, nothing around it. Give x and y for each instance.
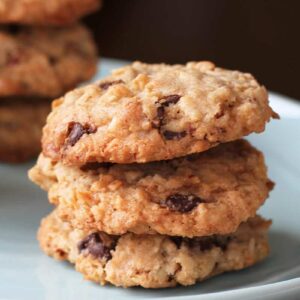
(21, 122)
(153, 261)
(45, 12)
(45, 62)
(143, 113)
(203, 194)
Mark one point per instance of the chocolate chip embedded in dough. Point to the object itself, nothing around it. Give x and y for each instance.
(182, 203)
(94, 245)
(76, 131)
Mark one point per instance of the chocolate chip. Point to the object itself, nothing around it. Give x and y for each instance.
(106, 85)
(172, 135)
(77, 130)
(162, 104)
(160, 113)
(171, 99)
(94, 245)
(182, 203)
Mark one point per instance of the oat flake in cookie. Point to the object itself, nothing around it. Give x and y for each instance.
(203, 194)
(45, 62)
(144, 113)
(153, 261)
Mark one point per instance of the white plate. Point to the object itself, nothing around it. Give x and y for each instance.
(26, 273)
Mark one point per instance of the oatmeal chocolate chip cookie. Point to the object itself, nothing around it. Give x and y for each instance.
(203, 194)
(21, 122)
(144, 113)
(45, 62)
(45, 12)
(153, 261)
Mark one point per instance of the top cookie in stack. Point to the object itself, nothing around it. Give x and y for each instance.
(140, 197)
(39, 60)
(143, 113)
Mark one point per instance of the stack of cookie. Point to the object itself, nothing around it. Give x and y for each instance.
(39, 61)
(151, 183)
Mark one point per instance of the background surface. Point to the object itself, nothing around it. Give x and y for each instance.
(259, 36)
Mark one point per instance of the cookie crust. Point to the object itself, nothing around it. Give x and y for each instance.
(207, 193)
(144, 113)
(153, 261)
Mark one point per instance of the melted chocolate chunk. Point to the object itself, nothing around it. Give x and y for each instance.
(182, 203)
(172, 135)
(94, 245)
(77, 130)
(106, 85)
(171, 99)
(158, 122)
(160, 113)
(162, 104)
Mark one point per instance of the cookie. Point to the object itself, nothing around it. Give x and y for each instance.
(21, 122)
(45, 62)
(203, 194)
(153, 261)
(41, 12)
(144, 113)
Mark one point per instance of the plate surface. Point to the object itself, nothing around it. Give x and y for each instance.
(25, 273)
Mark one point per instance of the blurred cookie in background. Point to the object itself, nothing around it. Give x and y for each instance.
(45, 62)
(37, 63)
(50, 12)
(21, 123)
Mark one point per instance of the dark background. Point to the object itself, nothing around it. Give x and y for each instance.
(259, 36)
